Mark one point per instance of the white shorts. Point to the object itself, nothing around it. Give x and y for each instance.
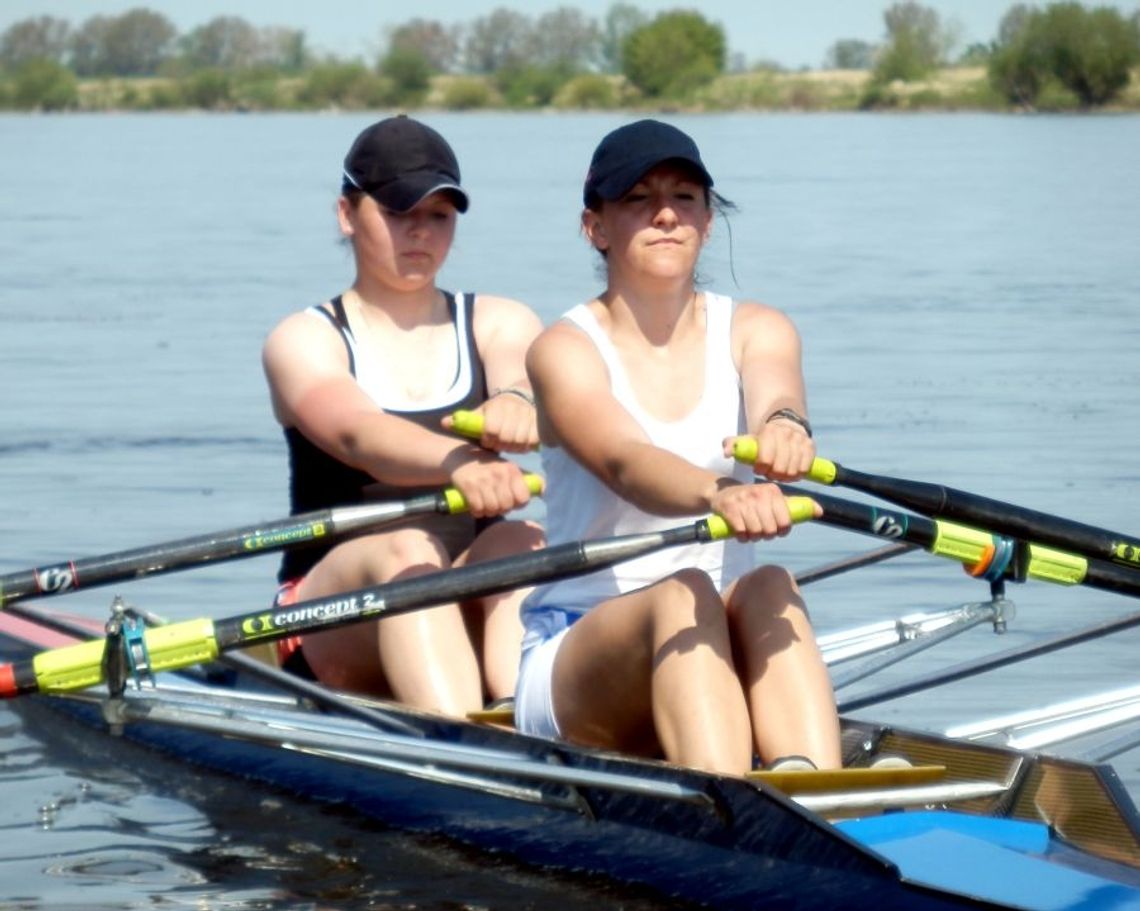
(534, 699)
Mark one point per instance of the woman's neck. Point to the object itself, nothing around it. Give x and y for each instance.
(661, 315)
(403, 308)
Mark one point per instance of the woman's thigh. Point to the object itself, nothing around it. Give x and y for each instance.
(602, 675)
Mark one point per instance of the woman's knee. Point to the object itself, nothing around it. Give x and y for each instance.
(692, 593)
(397, 552)
(768, 585)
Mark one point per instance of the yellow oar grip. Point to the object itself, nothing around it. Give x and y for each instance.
(747, 450)
(801, 509)
(467, 423)
(1056, 566)
(169, 647)
(456, 502)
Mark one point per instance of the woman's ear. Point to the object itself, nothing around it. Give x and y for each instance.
(594, 230)
(345, 213)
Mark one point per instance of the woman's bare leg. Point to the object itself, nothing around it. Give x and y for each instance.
(653, 670)
(422, 658)
(789, 693)
(499, 635)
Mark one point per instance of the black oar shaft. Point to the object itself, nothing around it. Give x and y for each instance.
(463, 583)
(996, 515)
(969, 546)
(86, 572)
(195, 641)
(231, 544)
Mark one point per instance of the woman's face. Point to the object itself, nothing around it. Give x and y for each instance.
(658, 228)
(404, 250)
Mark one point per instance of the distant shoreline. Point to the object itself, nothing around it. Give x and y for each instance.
(949, 89)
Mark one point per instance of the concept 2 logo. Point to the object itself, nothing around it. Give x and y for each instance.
(889, 525)
(323, 613)
(59, 578)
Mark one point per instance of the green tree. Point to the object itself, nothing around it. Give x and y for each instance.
(209, 88)
(133, 44)
(528, 85)
(565, 40)
(1093, 51)
(677, 52)
(916, 43)
(434, 41)
(284, 48)
(344, 85)
(1088, 52)
(41, 37)
(621, 20)
(225, 42)
(500, 39)
(850, 54)
(410, 72)
(1019, 64)
(977, 54)
(44, 85)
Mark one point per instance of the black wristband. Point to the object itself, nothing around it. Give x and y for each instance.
(787, 414)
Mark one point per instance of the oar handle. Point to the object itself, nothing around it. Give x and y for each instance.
(468, 424)
(800, 508)
(747, 450)
(457, 504)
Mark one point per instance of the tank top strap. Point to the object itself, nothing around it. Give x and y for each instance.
(581, 317)
(720, 369)
(338, 319)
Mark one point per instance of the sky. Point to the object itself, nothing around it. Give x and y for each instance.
(793, 33)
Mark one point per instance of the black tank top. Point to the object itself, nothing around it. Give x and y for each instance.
(319, 481)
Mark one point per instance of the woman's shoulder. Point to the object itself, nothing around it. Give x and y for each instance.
(495, 304)
(493, 314)
(303, 327)
(748, 314)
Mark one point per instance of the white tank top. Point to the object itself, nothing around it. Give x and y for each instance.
(579, 506)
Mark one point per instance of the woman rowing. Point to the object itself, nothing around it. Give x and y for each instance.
(363, 385)
(694, 654)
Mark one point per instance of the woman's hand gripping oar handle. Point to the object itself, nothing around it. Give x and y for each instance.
(747, 450)
(469, 424)
(457, 504)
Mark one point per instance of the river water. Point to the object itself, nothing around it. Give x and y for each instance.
(969, 297)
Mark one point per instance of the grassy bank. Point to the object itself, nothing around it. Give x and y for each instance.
(954, 89)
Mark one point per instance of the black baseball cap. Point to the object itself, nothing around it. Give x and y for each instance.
(624, 156)
(399, 161)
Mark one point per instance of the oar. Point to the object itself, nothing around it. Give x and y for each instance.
(948, 502)
(195, 641)
(982, 552)
(321, 525)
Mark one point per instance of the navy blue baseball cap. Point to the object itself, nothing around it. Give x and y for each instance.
(400, 161)
(624, 156)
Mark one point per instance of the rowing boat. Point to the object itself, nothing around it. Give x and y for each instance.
(978, 825)
(965, 821)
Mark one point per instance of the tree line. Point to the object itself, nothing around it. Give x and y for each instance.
(507, 58)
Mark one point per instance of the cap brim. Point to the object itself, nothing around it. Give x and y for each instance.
(410, 190)
(616, 185)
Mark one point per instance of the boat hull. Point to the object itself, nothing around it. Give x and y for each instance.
(713, 840)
